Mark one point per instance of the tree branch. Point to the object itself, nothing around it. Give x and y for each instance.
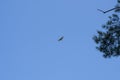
(108, 10)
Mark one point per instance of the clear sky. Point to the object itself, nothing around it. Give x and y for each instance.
(29, 50)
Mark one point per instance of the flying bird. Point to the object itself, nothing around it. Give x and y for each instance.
(61, 38)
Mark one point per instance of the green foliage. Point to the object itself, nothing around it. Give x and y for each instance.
(117, 6)
(108, 41)
(118, 1)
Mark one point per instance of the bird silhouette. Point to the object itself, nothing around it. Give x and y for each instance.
(61, 38)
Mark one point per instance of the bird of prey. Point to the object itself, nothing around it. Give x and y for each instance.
(61, 38)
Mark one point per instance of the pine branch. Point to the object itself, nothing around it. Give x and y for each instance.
(108, 10)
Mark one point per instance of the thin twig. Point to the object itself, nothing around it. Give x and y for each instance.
(108, 10)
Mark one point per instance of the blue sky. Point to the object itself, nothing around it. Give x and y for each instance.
(29, 50)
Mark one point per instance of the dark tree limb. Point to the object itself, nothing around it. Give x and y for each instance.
(108, 10)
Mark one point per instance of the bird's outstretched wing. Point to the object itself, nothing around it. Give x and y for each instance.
(61, 38)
